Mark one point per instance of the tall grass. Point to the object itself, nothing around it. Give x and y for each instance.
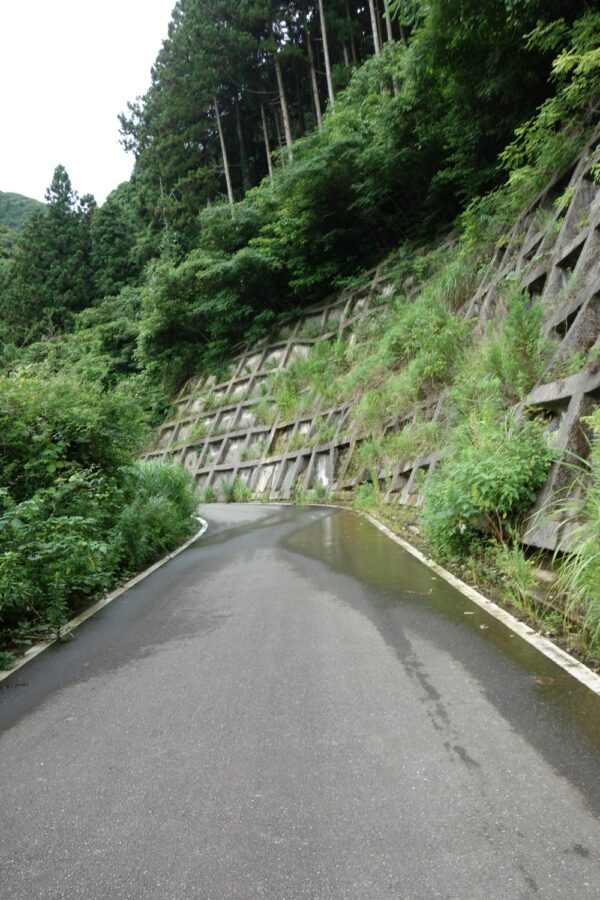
(578, 554)
(159, 514)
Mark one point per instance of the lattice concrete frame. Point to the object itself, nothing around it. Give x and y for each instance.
(554, 251)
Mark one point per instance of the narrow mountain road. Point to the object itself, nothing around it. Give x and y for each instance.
(295, 708)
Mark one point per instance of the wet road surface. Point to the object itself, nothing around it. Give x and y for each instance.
(296, 708)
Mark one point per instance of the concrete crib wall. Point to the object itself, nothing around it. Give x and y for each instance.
(233, 430)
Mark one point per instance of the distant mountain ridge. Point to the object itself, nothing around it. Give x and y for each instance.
(15, 209)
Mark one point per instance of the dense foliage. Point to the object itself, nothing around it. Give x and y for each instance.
(68, 253)
(76, 513)
(488, 480)
(411, 136)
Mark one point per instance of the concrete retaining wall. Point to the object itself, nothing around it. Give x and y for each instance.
(232, 429)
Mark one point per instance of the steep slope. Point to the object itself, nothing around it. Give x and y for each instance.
(242, 430)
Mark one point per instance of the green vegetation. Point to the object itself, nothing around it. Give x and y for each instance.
(579, 573)
(253, 196)
(15, 210)
(319, 493)
(367, 496)
(229, 490)
(401, 355)
(76, 512)
(391, 165)
(206, 494)
(489, 478)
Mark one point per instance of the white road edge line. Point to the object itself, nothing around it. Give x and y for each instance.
(100, 604)
(563, 659)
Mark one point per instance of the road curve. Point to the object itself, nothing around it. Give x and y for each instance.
(295, 708)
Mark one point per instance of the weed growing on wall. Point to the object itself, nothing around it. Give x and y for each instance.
(206, 494)
(489, 478)
(579, 569)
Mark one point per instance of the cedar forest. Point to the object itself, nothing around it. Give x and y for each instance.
(281, 150)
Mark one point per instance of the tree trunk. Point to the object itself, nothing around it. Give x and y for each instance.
(388, 21)
(279, 136)
(224, 154)
(390, 37)
(266, 137)
(345, 54)
(379, 25)
(352, 41)
(299, 107)
(403, 37)
(243, 155)
(313, 77)
(278, 130)
(284, 109)
(326, 55)
(374, 27)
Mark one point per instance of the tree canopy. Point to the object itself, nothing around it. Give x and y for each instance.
(283, 147)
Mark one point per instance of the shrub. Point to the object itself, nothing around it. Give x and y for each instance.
(52, 426)
(71, 541)
(366, 496)
(57, 548)
(489, 478)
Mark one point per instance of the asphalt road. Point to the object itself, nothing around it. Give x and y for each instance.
(295, 708)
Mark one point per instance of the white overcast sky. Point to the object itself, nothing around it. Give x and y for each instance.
(67, 69)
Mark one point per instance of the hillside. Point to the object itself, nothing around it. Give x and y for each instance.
(360, 380)
(368, 396)
(375, 277)
(15, 210)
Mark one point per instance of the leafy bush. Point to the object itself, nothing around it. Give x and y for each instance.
(57, 548)
(53, 426)
(366, 496)
(489, 478)
(72, 540)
